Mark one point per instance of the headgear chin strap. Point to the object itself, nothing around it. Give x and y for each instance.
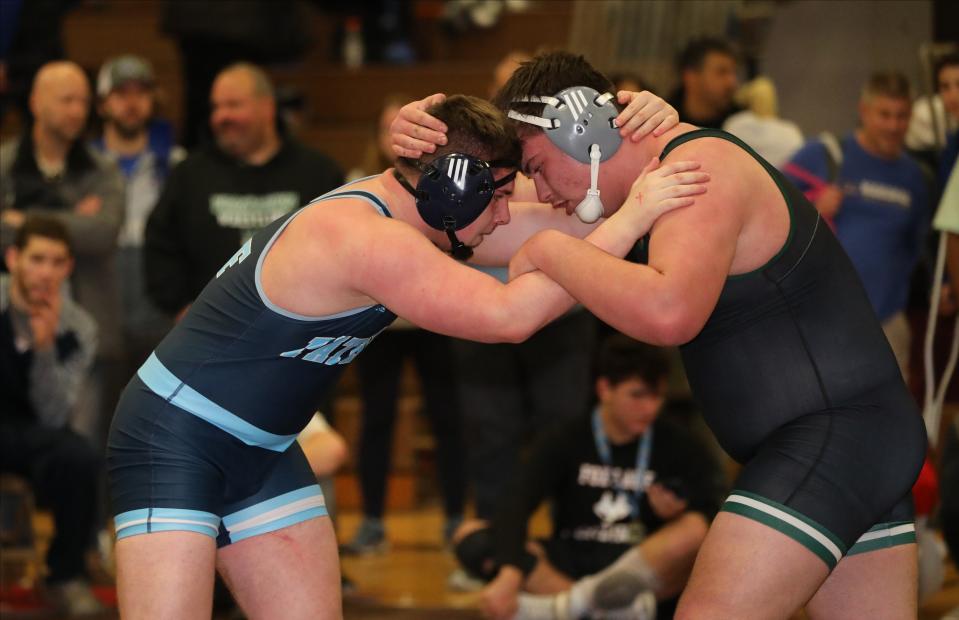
(453, 190)
(582, 123)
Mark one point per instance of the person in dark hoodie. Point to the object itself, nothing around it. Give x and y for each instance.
(224, 192)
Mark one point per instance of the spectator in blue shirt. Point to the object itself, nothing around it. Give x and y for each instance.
(143, 148)
(877, 198)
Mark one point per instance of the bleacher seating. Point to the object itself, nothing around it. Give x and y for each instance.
(342, 104)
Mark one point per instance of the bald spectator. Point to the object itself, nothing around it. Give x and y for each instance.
(224, 192)
(708, 82)
(50, 170)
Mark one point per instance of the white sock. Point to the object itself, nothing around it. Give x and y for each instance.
(630, 574)
(541, 607)
(643, 607)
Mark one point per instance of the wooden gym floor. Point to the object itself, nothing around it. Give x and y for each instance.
(408, 582)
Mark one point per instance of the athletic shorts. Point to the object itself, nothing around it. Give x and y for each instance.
(170, 470)
(839, 481)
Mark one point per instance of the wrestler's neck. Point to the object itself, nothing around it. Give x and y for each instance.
(632, 157)
(403, 207)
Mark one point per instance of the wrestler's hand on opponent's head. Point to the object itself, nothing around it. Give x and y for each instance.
(661, 188)
(645, 113)
(414, 132)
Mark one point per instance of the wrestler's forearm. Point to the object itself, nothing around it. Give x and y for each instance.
(552, 299)
(618, 234)
(536, 300)
(632, 298)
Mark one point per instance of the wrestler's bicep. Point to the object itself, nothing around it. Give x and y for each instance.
(694, 248)
(420, 283)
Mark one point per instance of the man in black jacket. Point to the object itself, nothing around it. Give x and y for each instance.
(220, 195)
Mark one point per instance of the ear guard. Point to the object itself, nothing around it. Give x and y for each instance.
(453, 191)
(581, 123)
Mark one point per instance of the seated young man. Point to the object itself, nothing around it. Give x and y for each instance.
(205, 471)
(47, 346)
(632, 491)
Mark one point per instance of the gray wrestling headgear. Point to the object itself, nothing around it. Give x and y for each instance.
(581, 123)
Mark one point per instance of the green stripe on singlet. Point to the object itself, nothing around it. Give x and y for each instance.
(793, 524)
(885, 535)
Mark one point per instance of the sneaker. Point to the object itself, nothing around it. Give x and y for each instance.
(370, 537)
(75, 598)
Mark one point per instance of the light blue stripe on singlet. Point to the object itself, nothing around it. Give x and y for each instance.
(146, 520)
(272, 526)
(166, 385)
(276, 513)
(271, 504)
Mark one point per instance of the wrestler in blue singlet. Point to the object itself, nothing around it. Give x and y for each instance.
(204, 437)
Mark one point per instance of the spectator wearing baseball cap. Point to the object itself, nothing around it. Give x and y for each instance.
(143, 147)
(122, 70)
